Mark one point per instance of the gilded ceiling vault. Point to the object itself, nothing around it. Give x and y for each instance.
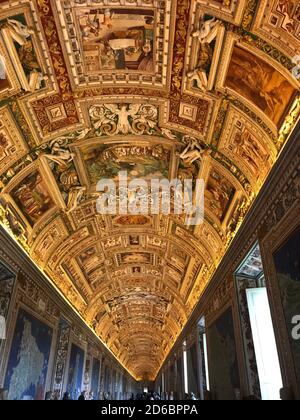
(187, 89)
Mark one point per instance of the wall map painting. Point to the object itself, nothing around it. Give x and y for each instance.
(29, 358)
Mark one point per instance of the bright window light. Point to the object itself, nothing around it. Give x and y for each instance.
(206, 361)
(185, 367)
(265, 344)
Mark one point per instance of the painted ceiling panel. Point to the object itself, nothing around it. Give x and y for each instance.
(185, 89)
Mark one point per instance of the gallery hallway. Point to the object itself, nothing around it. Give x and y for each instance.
(149, 200)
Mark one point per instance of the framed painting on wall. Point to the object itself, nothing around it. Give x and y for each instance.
(281, 259)
(95, 378)
(27, 368)
(287, 263)
(223, 362)
(75, 375)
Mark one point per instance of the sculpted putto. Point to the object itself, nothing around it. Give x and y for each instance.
(207, 31)
(74, 198)
(193, 151)
(21, 35)
(59, 155)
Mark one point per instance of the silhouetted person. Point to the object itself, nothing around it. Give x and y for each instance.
(82, 396)
(207, 396)
(49, 396)
(3, 394)
(251, 398)
(67, 396)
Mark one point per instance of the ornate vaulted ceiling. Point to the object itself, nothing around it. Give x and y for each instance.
(187, 89)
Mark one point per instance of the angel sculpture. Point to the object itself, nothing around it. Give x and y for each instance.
(2, 68)
(74, 136)
(168, 133)
(110, 114)
(193, 151)
(21, 34)
(200, 77)
(59, 155)
(208, 31)
(22, 31)
(123, 119)
(123, 113)
(75, 195)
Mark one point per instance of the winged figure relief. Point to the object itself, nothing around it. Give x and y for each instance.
(125, 119)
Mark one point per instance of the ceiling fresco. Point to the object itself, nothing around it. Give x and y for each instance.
(186, 89)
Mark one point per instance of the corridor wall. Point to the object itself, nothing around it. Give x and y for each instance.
(274, 224)
(47, 345)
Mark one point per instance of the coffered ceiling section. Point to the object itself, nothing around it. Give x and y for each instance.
(160, 89)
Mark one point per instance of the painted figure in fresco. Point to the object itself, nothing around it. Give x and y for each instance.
(33, 197)
(117, 41)
(92, 27)
(286, 6)
(3, 144)
(219, 194)
(138, 161)
(246, 146)
(260, 83)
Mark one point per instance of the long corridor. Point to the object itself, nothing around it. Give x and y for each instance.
(149, 200)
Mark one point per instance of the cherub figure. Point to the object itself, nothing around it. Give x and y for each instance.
(75, 195)
(59, 155)
(2, 68)
(207, 31)
(200, 77)
(20, 29)
(193, 151)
